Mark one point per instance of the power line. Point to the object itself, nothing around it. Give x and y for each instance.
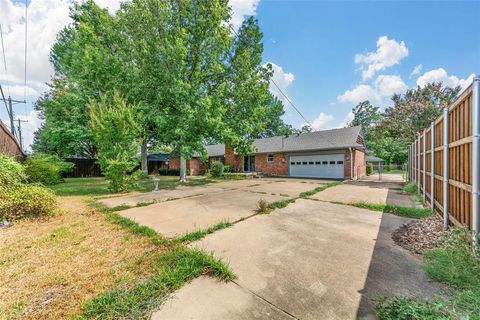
(281, 91)
(4, 56)
(290, 101)
(25, 70)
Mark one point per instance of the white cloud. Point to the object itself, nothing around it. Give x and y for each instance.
(382, 88)
(111, 5)
(440, 75)
(20, 90)
(389, 52)
(416, 71)
(326, 121)
(241, 9)
(360, 93)
(388, 85)
(321, 122)
(283, 80)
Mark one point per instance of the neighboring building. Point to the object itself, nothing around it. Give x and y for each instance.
(375, 161)
(157, 161)
(8, 144)
(334, 154)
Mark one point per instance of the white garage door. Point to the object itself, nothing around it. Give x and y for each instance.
(318, 166)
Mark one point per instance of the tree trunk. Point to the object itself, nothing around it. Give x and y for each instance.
(183, 169)
(143, 152)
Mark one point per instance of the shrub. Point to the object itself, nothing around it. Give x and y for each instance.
(25, 201)
(369, 169)
(11, 171)
(227, 169)
(217, 169)
(46, 169)
(410, 188)
(119, 174)
(388, 167)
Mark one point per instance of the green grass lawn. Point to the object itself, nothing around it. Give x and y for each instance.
(99, 186)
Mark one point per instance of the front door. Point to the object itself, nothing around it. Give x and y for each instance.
(249, 163)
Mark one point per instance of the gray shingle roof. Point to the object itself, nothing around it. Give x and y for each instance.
(373, 159)
(319, 140)
(215, 150)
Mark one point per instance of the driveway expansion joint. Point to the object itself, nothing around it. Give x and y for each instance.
(266, 301)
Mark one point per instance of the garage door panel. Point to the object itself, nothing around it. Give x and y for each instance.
(318, 166)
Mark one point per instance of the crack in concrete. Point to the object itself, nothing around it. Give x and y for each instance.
(267, 301)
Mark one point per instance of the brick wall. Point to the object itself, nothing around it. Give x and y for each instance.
(174, 163)
(360, 165)
(279, 165)
(8, 144)
(233, 160)
(195, 166)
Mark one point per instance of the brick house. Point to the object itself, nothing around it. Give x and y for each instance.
(335, 154)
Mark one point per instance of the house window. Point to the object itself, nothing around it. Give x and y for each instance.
(317, 162)
(325, 162)
(332, 162)
(339, 162)
(270, 157)
(310, 162)
(299, 163)
(304, 162)
(292, 163)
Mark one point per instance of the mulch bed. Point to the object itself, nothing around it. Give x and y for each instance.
(419, 235)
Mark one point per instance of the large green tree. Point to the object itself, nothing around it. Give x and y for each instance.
(65, 130)
(190, 75)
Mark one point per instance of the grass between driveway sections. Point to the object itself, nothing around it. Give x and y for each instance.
(202, 233)
(416, 213)
(319, 189)
(264, 207)
(456, 264)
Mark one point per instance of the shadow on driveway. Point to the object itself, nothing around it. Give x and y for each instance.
(393, 271)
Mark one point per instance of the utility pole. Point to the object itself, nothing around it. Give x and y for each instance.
(19, 121)
(11, 102)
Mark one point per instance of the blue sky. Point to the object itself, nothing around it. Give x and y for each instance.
(327, 55)
(317, 42)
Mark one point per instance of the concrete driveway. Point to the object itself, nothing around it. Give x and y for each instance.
(370, 189)
(310, 260)
(185, 209)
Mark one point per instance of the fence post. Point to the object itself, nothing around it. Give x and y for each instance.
(414, 161)
(410, 163)
(445, 169)
(476, 157)
(432, 165)
(424, 160)
(419, 152)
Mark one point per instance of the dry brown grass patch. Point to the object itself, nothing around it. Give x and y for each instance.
(51, 267)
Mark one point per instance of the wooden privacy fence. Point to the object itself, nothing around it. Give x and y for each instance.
(444, 161)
